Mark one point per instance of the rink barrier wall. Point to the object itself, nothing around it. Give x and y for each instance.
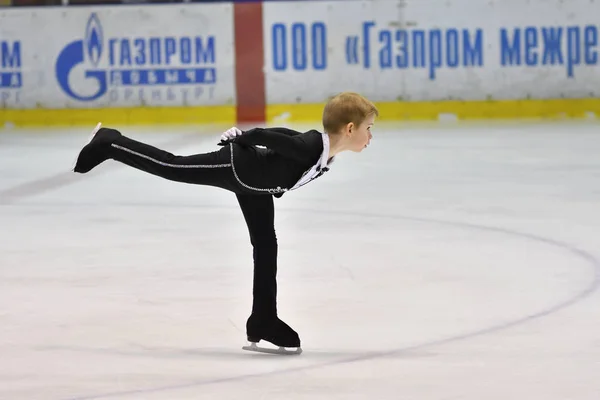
(453, 110)
(119, 116)
(291, 113)
(277, 62)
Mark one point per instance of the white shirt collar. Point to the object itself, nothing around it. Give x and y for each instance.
(325, 155)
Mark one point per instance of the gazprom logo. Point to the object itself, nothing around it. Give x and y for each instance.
(138, 68)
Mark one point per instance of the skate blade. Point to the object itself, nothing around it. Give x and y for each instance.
(280, 350)
(96, 129)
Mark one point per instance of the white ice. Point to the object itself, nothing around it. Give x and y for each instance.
(455, 261)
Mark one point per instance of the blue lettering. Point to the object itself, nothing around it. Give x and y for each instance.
(125, 58)
(301, 56)
(299, 46)
(435, 51)
(452, 57)
(155, 57)
(169, 49)
(162, 76)
(531, 42)
(186, 50)
(352, 49)
(143, 95)
(116, 78)
(161, 51)
(205, 54)
(10, 80)
(152, 77)
(573, 49)
(418, 49)
(511, 52)
(140, 51)
(209, 75)
(111, 51)
(590, 42)
(11, 58)
(385, 54)
(367, 26)
(319, 46)
(172, 77)
(572, 46)
(473, 54)
(279, 47)
(552, 52)
(402, 39)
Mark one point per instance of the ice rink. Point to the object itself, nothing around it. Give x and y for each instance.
(445, 262)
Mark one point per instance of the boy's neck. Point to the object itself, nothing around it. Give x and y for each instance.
(335, 145)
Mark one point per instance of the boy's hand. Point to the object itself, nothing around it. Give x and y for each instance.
(231, 134)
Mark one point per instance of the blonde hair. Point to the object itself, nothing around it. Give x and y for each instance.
(344, 108)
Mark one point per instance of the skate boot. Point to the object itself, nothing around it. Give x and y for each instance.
(272, 330)
(96, 150)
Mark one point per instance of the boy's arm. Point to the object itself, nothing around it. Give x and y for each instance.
(286, 131)
(283, 143)
(231, 133)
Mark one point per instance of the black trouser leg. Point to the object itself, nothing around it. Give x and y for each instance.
(259, 214)
(264, 323)
(213, 169)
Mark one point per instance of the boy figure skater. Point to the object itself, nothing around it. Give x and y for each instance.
(285, 161)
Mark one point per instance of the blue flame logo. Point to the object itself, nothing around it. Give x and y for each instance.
(80, 52)
(93, 39)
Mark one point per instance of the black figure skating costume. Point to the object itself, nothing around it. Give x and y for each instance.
(289, 160)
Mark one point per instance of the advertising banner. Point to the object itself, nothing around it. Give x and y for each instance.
(124, 56)
(430, 50)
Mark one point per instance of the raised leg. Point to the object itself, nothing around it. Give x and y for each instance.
(212, 169)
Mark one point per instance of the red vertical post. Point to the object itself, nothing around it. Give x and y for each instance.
(249, 60)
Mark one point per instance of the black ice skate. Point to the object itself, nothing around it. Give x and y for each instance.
(96, 150)
(272, 330)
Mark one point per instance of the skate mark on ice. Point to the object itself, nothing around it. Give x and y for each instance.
(592, 287)
(62, 179)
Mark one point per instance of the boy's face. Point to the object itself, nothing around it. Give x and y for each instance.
(360, 135)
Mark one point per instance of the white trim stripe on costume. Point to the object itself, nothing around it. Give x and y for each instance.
(116, 146)
(270, 191)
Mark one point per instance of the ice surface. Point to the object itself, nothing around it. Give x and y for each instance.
(455, 261)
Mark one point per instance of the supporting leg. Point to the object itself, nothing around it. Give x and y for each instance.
(264, 323)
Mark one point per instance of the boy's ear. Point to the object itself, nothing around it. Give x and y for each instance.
(350, 127)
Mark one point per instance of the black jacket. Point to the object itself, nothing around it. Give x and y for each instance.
(288, 156)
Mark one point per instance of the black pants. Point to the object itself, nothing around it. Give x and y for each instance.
(215, 169)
